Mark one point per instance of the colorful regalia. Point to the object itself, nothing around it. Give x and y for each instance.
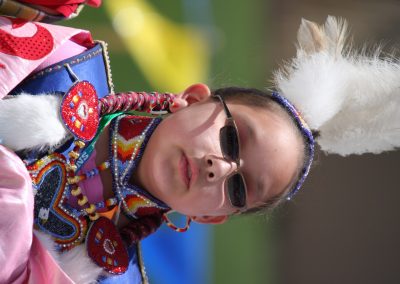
(62, 209)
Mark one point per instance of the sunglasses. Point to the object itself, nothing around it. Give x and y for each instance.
(229, 140)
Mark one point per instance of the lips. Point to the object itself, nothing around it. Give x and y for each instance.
(188, 170)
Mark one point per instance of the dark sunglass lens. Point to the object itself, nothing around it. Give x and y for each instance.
(229, 142)
(237, 190)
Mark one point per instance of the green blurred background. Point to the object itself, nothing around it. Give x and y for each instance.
(343, 227)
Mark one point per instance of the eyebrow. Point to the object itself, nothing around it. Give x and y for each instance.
(250, 130)
(246, 127)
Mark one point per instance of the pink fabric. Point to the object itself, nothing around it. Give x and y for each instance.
(92, 187)
(16, 67)
(23, 259)
(16, 218)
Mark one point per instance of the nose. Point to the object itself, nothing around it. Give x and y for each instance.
(218, 167)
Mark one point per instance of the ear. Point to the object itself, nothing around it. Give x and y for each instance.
(193, 94)
(210, 219)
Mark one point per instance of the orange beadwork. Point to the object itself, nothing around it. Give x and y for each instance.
(175, 228)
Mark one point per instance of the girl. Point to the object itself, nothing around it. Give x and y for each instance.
(238, 151)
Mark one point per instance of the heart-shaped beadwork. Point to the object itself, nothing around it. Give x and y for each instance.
(105, 246)
(49, 182)
(79, 110)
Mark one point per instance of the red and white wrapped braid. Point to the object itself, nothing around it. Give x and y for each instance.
(139, 101)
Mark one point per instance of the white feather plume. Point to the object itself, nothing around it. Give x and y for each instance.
(31, 122)
(353, 99)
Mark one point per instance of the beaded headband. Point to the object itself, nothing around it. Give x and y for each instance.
(307, 136)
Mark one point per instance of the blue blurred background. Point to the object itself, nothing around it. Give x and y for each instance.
(343, 227)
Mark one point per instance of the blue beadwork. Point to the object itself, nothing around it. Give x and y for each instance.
(124, 182)
(307, 135)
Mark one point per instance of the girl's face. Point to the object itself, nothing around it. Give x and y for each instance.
(183, 165)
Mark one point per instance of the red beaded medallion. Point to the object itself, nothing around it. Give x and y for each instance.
(106, 248)
(79, 110)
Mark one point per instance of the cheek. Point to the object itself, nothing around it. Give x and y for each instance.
(194, 138)
(211, 196)
(206, 200)
(201, 146)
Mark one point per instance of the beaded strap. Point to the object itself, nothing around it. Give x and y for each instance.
(173, 226)
(73, 182)
(307, 135)
(139, 101)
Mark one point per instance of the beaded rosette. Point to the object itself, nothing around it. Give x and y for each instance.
(79, 110)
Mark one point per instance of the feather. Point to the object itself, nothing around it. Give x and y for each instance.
(353, 99)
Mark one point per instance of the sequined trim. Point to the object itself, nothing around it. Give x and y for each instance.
(145, 279)
(107, 64)
(126, 150)
(75, 61)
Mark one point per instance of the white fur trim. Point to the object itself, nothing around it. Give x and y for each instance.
(48, 243)
(31, 122)
(352, 99)
(75, 263)
(79, 267)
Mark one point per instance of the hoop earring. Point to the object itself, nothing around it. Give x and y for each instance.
(172, 226)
